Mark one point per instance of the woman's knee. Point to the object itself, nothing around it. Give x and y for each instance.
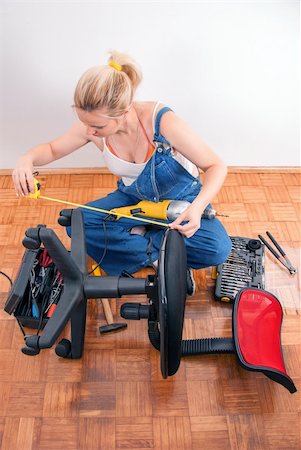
(210, 251)
(222, 250)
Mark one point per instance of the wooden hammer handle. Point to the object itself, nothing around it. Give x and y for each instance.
(105, 302)
(107, 310)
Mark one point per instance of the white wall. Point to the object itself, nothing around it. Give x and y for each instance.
(230, 68)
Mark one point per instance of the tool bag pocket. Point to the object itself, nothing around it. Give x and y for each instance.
(36, 290)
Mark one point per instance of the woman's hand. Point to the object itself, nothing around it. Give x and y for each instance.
(192, 215)
(22, 177)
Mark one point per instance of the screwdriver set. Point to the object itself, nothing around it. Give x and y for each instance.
(37, 290)
(243, 268)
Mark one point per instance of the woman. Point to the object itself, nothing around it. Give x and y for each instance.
(157, 156)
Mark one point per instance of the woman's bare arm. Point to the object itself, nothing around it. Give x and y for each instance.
(43, 154)
(187, 142)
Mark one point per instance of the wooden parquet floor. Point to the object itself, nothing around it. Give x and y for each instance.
(114, 397)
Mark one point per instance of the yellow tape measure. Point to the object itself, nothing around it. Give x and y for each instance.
(37, 194)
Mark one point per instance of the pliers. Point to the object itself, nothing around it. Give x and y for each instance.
(282, 257)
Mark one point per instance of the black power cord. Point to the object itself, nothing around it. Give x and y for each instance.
(105, 246)
(6, 276)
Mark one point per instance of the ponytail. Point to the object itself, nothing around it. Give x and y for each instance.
(110, 87)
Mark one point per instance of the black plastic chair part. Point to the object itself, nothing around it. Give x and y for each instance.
(172, 297)
(167, 335)
(78, 287)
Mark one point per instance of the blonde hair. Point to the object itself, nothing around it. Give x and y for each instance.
(105, 87)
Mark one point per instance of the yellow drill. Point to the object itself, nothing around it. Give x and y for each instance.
(165, 210)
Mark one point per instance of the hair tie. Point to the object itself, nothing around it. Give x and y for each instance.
(115, 65)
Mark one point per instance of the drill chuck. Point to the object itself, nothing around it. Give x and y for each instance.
(176, 207)
(209, 213)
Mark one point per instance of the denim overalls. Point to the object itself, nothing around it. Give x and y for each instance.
(162, 178)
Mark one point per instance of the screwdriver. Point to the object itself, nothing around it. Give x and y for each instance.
(51, 308)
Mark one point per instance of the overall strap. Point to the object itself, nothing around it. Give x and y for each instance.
(158, 136)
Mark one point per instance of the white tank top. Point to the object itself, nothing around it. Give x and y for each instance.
(130, 171)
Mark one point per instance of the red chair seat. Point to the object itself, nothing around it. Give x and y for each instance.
(257, 319)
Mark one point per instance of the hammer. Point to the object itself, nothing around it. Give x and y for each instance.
(111, 326)
(109, 318)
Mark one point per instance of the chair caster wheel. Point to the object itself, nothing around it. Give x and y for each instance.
(63, 348)
(30, 351)
(30, 243)
(65, 217)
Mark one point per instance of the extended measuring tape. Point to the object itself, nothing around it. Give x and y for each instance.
(37, 194)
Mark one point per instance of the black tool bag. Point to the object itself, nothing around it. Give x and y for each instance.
(36, 290)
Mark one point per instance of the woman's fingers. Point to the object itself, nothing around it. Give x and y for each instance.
(15, 183)
(188, 229)
(23, 181)
(29, 178)
(18, 184)
(177, 223)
